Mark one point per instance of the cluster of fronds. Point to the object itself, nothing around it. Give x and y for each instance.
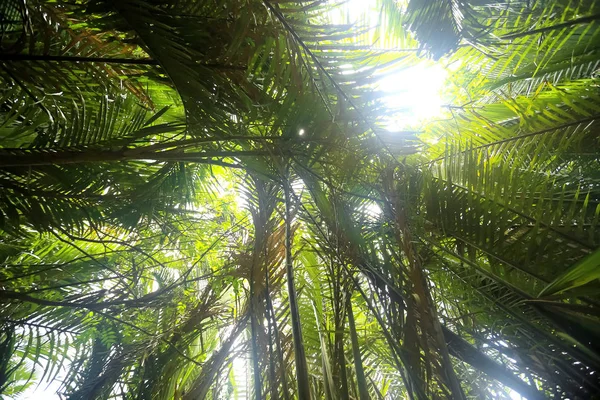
(189, 187)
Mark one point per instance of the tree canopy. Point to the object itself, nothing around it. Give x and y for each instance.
(215, 200)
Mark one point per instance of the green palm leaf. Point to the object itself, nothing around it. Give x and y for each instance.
(580, 274)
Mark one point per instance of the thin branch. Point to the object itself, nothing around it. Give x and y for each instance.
(106, 60)
(576, 21)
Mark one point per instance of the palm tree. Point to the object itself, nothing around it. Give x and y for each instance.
(201, 200)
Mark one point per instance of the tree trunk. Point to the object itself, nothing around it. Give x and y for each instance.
(300, 357)
(358, 366)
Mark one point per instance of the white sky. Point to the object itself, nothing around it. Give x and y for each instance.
(414, 92)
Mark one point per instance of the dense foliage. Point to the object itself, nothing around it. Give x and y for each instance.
(204, 199)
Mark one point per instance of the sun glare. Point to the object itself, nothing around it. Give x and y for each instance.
(414, 93)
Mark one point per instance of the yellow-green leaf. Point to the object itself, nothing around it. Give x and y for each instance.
(578, 275)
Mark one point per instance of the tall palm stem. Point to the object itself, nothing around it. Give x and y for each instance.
(302, 381)
(358, 365)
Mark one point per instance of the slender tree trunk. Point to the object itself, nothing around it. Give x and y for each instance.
(272, 376)
(363, 391)
(273, 321)
(343, 375)
(340, 311)
(300, 357)
(255, 364)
